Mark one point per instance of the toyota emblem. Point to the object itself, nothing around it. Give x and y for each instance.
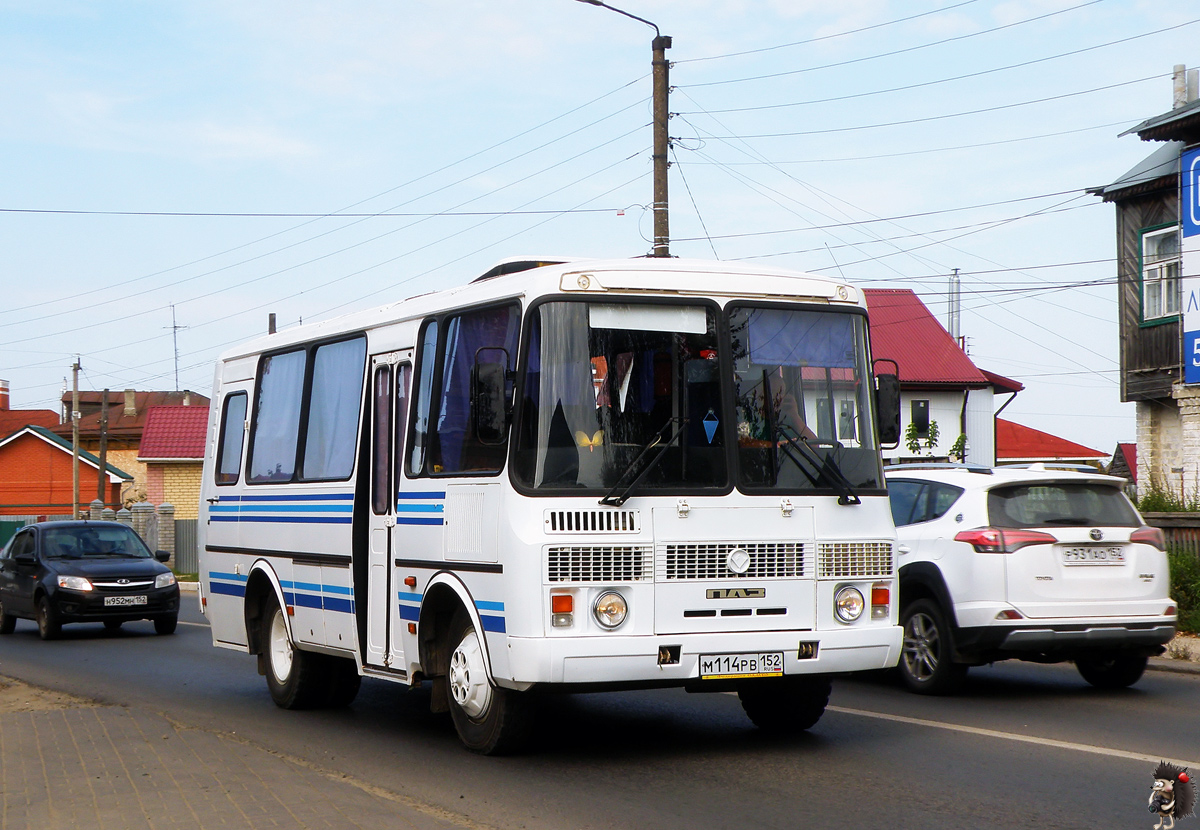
(1096, 534)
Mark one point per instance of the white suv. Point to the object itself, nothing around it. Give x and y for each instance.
(1031, 563)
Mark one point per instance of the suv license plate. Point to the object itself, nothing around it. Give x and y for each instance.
(725, 666)
(1094, 555)
(139, 600)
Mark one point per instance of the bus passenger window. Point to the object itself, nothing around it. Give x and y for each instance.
(381, 441)
(486, 335)
(229, 451)
(428, 357)
(333, 405)
(277, 417)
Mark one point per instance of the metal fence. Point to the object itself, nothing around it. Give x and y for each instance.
(187, 551)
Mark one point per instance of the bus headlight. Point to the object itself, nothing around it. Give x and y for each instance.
(848, 604)
(610, 609)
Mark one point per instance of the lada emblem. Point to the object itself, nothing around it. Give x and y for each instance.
(738, 561)
(122, 581)
(1096, 534)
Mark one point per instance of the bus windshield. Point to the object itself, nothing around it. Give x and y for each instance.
(801, 388)
(607, 381)
(616, 391)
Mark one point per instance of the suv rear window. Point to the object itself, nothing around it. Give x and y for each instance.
(1060, 504)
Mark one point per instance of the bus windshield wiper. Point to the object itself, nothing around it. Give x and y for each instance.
(826, 467)
(614, 499)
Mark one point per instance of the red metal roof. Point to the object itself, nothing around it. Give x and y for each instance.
(120, 425)
(12, 420)
(1015, 442)
(903, 330)
(174, 432)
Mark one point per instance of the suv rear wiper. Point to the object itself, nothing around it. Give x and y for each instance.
(826, 467)
(612, 498)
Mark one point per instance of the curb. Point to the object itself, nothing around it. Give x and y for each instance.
(188, 586)
(1174, 666)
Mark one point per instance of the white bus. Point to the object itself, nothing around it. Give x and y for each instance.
(568, 476)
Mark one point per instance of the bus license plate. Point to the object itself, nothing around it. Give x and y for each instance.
(139, 600)
(724, 666)
(1094, 555)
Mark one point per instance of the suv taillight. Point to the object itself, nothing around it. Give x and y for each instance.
(1149, 536)
(1002, 539)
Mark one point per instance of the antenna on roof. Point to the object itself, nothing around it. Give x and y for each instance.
(175, 341)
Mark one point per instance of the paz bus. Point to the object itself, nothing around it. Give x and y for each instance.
(563, 476)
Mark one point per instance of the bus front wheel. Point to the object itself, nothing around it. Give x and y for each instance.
(294, 677)
(785, 705)
(489, 719)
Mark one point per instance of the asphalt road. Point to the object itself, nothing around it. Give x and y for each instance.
(1025, 746)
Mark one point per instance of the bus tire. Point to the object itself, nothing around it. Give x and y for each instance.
(343, 682)
(785, 705)
(489, 720)
(294, 677)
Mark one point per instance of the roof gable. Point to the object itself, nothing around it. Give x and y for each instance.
(1015, 442)
(903, 330)
(174, 432)
(65, 446)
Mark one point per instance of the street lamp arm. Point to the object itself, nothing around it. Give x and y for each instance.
(602, 4)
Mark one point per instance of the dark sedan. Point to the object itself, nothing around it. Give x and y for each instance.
(80, 571)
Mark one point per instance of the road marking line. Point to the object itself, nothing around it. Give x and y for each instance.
(1016, 736)
(198, 625)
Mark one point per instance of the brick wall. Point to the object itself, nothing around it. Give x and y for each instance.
(35, 478)
(181, 487)
(155, 493)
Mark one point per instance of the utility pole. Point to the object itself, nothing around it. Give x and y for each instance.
(75, 438)
(102, 480)
(662, 141)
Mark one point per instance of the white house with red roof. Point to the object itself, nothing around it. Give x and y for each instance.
(172, 450)
(939, 385)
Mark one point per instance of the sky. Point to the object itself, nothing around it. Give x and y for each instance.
(172, 172)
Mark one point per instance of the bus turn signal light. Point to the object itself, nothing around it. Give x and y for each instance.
(562, 609)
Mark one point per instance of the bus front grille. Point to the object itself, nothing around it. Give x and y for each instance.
(854, 559)
(710, 560)
(593, 521)
(600, 563)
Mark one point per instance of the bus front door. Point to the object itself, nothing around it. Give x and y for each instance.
(389, 406)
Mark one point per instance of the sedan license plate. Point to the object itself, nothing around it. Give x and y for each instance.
(138, 600)
(725, 666)
(1094, 555)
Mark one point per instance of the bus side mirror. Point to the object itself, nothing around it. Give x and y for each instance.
(887, 403)
(489, 402)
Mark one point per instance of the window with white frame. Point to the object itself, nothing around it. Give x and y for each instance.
(1160, 273)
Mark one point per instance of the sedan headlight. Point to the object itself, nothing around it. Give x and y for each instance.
(74, 583)
(164, 580)
(848, 603)
(610, 609)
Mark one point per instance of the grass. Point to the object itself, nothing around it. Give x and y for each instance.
(1185, 588)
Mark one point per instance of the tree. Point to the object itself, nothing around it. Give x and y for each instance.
(913, 441)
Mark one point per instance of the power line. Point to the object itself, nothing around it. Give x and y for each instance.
(828, 37)
(894, 52)
(381, 215)
(939, 81)
(944, 116)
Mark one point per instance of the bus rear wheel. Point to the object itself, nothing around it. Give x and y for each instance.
(489, 719)
(294, 677)
(785, 705)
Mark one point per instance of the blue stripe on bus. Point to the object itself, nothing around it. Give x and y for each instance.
(418, 520)
(410, 612)
(490, 623)
(340, 605)
(285, 508)
(226, 588)
(419, 508)
(292, 497)
(487, 605)
(233, 577)
(323, 520)
(308, 601)
(422, 495)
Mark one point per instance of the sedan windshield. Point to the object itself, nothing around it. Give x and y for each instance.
(617, 391)
(91, 542)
